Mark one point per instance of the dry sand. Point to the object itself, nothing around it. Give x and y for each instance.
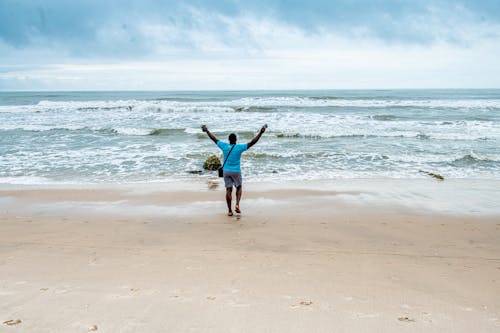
(122, 259)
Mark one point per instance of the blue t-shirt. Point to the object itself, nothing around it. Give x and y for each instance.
(233, 162)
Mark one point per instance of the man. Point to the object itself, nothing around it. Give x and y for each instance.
(232, 170)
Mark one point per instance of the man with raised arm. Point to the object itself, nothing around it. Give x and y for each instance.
(232, 170)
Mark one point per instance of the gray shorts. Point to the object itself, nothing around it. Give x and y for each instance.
(232, 178)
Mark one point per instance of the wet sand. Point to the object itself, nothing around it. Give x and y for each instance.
(299, 258)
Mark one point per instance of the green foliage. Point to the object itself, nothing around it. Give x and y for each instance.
(212, 163)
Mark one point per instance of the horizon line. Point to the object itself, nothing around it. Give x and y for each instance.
(239, 90)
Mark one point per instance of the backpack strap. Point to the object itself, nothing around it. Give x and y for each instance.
(222, 167)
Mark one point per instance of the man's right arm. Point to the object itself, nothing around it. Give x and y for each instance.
(210, 135)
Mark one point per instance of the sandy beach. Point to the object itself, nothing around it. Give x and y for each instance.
(366, 135)
(343, 256)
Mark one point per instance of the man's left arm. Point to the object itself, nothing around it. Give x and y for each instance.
(254, 140)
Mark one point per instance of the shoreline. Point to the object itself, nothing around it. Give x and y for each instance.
(455, 197)
(303, 257)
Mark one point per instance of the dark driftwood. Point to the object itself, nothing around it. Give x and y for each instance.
(435, 175)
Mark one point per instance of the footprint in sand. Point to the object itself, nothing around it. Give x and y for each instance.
(12, 322)
(211, 298)
(92, 328)
(304, 303)
(406, 319)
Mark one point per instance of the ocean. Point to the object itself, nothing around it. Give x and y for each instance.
(122, 137)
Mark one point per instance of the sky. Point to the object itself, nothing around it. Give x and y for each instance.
(248, 45)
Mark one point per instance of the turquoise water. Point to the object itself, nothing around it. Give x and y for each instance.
(88, 137)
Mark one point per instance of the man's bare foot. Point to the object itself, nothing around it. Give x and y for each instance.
(230, 214)
(237, 209)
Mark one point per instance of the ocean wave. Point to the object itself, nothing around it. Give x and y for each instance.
(324, 98)
(126, 131)
(320, 135)
(371, 133)
(437, 159)
(120, 105)
(254, 108)
(474, 159)
(396, 134)
(107, 108)
(241, 135)
(252, 104)
(293, 154)
(109, 130)
(392, 158)
(143, 131)
(423, 136)
(350, 129)
(248, 135)
(140, 131)
(42, 128)
(180, 107)
(384, 117)
(167, 131)
(376, 103)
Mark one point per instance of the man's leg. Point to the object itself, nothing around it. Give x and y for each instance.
(238, 197)
(229, 194)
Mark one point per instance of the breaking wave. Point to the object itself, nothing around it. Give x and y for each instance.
(474, 159)
(384, 117)
(311, 134)
(251, 104)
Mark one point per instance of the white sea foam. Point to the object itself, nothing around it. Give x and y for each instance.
(246, 103)
(289, 129)
(133, 131)
(40, 128)
(25, 180)
(138, 140)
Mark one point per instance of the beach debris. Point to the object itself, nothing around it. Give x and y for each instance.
(212, 163)
(196, 172)
(211, 298)
(435, 175)
(432, 174)
(406, 319)
(92, 328)
(306, 302)
(12, 322)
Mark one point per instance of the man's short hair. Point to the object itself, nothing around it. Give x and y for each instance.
(232, 137)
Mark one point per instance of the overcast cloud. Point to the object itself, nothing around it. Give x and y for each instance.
(151, 44)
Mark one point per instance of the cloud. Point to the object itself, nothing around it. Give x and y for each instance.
(153, 44)
(128, 29)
